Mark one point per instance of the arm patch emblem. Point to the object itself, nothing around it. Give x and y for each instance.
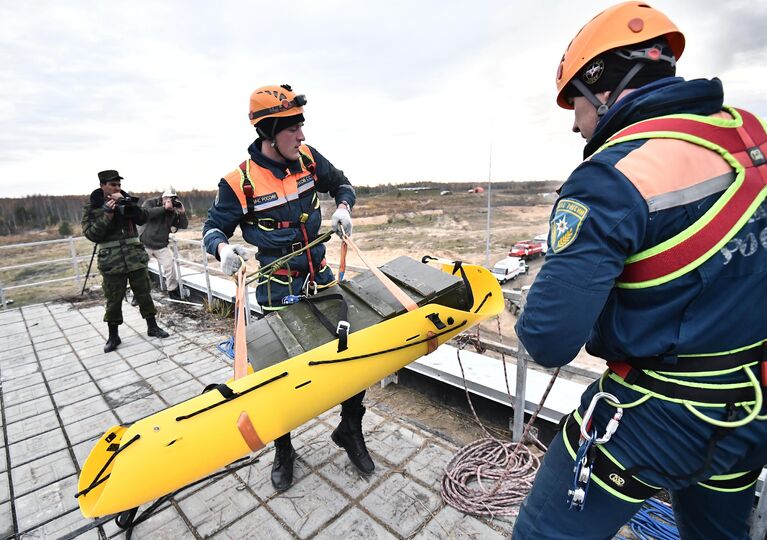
(566, 223)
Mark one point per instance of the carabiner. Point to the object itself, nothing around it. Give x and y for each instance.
(612, 425)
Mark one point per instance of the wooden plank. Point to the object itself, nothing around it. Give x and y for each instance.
(288, 340)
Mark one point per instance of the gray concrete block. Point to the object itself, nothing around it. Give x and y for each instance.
(36, 447)
(78, 393)
(24, 353)
(428, 465)
(189, 354)
(126, 394)
(90, 427)
(354, 524)
(107, 383)
(5, 490)
(70, 381)
(167, 524)
(217, 505)
(61, 526)
(24, 382)
(13, 396)
(138, 345)
(203, 367)
(155, 368)
(140, 359)
(31, 427)
(46, 503)
(51, 341)
(82, 409)
(28, 409)
(347, 478)
(393, 441)
(95, 350)
(402, 504)
(104, 371)
(63, 371)
(56, 352)
(258, 520)
(450, 523)
(73, 321)
(170, 378)
(41, 472)
(308, 505)
(6, 520)
(136, 410)
(181, 392)
(11, 373)
(63, 359)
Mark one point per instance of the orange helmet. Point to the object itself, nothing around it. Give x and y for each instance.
(622, 25)
(275, 102)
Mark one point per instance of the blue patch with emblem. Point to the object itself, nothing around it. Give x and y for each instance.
(566, 223)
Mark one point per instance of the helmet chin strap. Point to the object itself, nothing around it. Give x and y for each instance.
(602, 108)
(272, 141)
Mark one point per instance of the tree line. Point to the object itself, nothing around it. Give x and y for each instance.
(18, 215)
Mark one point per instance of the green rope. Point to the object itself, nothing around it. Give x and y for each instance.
(273, 266)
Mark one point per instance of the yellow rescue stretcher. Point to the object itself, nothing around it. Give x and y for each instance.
(131, 465)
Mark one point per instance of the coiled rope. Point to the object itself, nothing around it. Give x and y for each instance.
(654, 521)
(491, 477)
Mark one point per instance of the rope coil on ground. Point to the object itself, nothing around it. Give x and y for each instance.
(490, 477)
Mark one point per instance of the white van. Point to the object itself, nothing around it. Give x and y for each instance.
(509, 268)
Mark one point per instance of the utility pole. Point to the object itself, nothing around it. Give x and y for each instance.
(489, 194)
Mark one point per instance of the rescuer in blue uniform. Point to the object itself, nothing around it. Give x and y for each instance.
(273, 198)
(643, 272)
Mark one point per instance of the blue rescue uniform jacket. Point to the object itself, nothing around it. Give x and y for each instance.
(714, 308)
(227, 213)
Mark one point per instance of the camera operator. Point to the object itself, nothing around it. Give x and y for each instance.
(110, 219)
(166, 214)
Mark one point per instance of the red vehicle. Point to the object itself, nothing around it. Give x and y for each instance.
(526, 249)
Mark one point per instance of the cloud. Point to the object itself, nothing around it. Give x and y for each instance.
(398, 91)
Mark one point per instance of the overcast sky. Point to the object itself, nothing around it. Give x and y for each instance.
(398, 91)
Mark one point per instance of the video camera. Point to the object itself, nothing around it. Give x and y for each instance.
(126, 202)
(176, 202)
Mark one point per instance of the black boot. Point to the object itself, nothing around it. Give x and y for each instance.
(348, 435)
(282, 468)
(114, 340)
(152, 330)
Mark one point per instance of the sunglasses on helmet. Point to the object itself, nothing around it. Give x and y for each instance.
(298, 101)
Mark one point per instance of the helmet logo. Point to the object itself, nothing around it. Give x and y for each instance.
(592, 73)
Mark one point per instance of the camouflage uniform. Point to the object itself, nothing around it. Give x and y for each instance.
(121, 257)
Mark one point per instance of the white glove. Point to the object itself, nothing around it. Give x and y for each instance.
(343, 218)
(230, 258)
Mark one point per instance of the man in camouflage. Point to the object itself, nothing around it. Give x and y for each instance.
(110, 219)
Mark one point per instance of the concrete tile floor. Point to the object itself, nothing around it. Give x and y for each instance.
(60, 392)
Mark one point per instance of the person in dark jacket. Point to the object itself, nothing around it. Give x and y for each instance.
(657, 264)
(273, 198)
(110, 219)
(165, 214)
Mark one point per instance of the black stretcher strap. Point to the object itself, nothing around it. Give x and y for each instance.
(97, 479)
(341, 330)
(377, 353)
(234, 395)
